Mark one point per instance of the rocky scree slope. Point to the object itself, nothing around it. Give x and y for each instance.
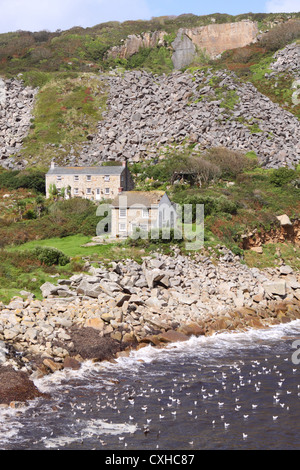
(16, 108)
(147, 113)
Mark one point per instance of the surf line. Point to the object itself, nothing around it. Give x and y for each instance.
(117, 460)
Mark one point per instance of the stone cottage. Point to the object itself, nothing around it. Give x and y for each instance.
(95, 183)
(142, 210)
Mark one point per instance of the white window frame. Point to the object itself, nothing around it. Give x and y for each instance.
(88, 190)
(76, 177)
(106, 191)
(89, 177)
(107, 178)
(122, 227)
(76, 191)
(121, 211)
(58, 178)
(145, 213)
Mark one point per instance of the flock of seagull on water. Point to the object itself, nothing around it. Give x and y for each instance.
(201, 392)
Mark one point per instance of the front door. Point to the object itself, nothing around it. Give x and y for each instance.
(98, 194)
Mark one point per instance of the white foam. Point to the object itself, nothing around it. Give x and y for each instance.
(97, 428)
(204, 347)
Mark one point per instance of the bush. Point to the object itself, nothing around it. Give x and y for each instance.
(212, 205)
(50, 256)
(28, 179)
(230, 162)
(281, 35)
(282, 176)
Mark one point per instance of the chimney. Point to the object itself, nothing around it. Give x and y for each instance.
(52, 165)
(120, 190)
(124, 163)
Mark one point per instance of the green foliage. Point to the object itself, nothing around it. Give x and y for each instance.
(66, 111)
(51, 256)
(212, 205)
(30, 179)
(282, 176)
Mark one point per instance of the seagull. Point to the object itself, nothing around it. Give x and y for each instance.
(245, 435)
(226, 425)
(274, 418)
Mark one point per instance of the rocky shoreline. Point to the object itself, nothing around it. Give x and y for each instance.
(105, 312)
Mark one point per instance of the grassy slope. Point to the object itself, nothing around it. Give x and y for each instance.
(67, 110)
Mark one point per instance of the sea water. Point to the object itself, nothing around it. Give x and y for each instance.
(236, 390)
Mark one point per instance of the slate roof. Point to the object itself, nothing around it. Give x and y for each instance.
(143, 198)
(86, 170)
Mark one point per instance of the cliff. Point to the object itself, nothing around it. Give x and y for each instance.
(212, 39)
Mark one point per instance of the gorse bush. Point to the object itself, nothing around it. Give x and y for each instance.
(50, 256)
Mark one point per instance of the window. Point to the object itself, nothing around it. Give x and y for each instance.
(76, 190)
(58, 178)
(122, 227)
(122, 213)
(106, 190)
(88, 177)
(106, 178)
(144, 227)
(76, 178)
(88, 190)
(145, 213)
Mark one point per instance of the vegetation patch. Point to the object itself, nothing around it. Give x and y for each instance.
(67, 110)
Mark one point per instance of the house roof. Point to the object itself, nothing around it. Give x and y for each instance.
(143, 198)
(86, 170)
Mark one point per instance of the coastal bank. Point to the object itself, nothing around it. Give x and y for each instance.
(107, 311)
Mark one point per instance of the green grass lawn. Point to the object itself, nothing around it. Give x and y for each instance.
(71, 246)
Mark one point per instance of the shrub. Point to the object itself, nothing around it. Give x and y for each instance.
(279, 36)
(282, 176)
(212, 205)
(230, 162)
(28, 179)
(50, 256)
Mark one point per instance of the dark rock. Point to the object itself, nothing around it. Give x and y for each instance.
(88, 343)
(16, 386)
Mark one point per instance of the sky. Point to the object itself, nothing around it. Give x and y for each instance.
(51, 15)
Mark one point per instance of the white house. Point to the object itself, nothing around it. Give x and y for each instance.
(143, 210)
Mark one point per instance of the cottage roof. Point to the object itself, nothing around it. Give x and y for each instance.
(142, 198)
(86, 170)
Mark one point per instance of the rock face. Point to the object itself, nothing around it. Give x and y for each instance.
(147, 112)
(212, 40)
(133, 43)
(184, 51)
(16, 105)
